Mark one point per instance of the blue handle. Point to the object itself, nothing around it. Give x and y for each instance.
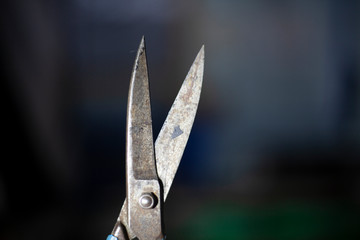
(111, 237)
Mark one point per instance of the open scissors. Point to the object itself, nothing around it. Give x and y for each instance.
(150, 170)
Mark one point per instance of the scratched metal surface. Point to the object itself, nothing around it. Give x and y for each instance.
(172, 139)
(139, 136)
(173, 136)
(141, 177)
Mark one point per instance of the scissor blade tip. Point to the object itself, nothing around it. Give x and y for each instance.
(142, 45)
(141, 51)
(140, 62)
(201, 54)
(202, 49)
(142, 42)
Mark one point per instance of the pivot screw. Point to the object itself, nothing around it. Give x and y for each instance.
(147, 200)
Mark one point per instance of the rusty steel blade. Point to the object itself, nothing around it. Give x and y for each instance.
(142, 184)
(174, 134)
(139, 145)
(140, 220)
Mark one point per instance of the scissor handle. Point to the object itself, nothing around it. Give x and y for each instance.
(111, 237)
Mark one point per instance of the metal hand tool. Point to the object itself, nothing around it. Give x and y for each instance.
(150, 170)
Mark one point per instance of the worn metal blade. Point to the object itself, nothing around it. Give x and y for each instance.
(139, 137)
(174, 134)
(141, 221)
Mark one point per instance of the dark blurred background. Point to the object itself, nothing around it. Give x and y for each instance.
(274, 151)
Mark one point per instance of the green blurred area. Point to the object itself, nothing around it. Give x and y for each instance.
(224, 220)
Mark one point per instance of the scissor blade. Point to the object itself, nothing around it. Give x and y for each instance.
(144, 219)
(173, 136)
(140, 145)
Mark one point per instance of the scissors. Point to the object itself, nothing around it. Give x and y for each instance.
(150, 169)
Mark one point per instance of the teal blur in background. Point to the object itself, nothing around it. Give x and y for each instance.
(274, 151)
